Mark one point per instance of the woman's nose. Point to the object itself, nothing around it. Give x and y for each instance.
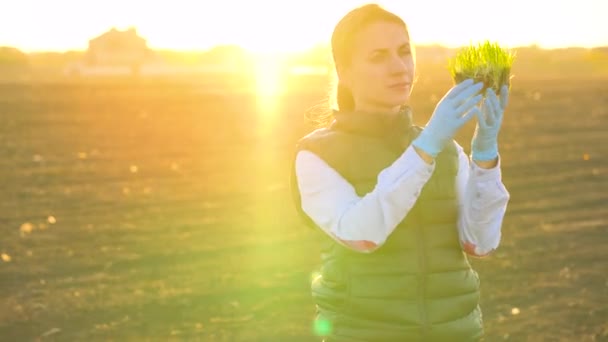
(398, 65)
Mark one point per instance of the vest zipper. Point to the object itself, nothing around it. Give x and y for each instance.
(422, 280)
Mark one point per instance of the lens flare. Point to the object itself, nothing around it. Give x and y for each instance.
(322, 327)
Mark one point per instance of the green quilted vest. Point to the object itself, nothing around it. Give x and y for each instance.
(418, 286)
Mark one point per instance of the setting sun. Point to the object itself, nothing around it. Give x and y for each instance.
(268, 74)
(269, 85)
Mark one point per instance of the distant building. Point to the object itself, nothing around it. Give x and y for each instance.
(114, 52)
(118, 48)
(125, 53)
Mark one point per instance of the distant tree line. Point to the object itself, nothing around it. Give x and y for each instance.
(431, 60)
(13, 58)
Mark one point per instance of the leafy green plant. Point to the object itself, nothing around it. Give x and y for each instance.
(486, 62)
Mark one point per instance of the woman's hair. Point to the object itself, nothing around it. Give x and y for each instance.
(342, 45)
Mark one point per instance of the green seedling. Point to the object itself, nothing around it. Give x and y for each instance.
(486, 62)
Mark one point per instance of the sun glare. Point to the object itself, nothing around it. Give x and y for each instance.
(269, 75)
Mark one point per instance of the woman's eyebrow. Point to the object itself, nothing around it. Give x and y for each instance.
(402, 46)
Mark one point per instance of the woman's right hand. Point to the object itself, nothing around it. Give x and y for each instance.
(455, 109)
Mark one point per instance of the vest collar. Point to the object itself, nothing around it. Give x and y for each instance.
(376, 124)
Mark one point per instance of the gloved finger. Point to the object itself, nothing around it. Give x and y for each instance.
(495, 104)
(459, 88)
(490, 109)
(499, 114)
(481, 119)
(504, 96)
(465, 118)
(467, 92)
(467, 105)
(484, 111)
(498, 111)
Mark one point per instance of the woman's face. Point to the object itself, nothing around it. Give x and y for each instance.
(381, 69)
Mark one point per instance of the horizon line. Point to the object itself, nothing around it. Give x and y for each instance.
(299, 51)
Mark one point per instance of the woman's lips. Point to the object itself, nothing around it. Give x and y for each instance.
(400, 85)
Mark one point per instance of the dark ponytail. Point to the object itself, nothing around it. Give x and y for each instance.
(339, 97)
(344, 98)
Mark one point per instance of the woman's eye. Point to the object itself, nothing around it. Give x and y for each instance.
(380, 57)
(377, 57)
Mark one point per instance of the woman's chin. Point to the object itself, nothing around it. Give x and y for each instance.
(398, 101)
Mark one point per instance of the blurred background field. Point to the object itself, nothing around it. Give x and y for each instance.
(157, 207)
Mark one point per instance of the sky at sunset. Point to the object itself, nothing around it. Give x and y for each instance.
(266, 25)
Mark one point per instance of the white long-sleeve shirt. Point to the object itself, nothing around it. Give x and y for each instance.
(364, 223)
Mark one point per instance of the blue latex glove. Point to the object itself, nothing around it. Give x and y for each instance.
(454, 110)
(484, 145)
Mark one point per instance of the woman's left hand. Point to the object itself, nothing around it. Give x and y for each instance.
(484, 145)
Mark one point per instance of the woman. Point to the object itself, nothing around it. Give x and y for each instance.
(401, 206)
